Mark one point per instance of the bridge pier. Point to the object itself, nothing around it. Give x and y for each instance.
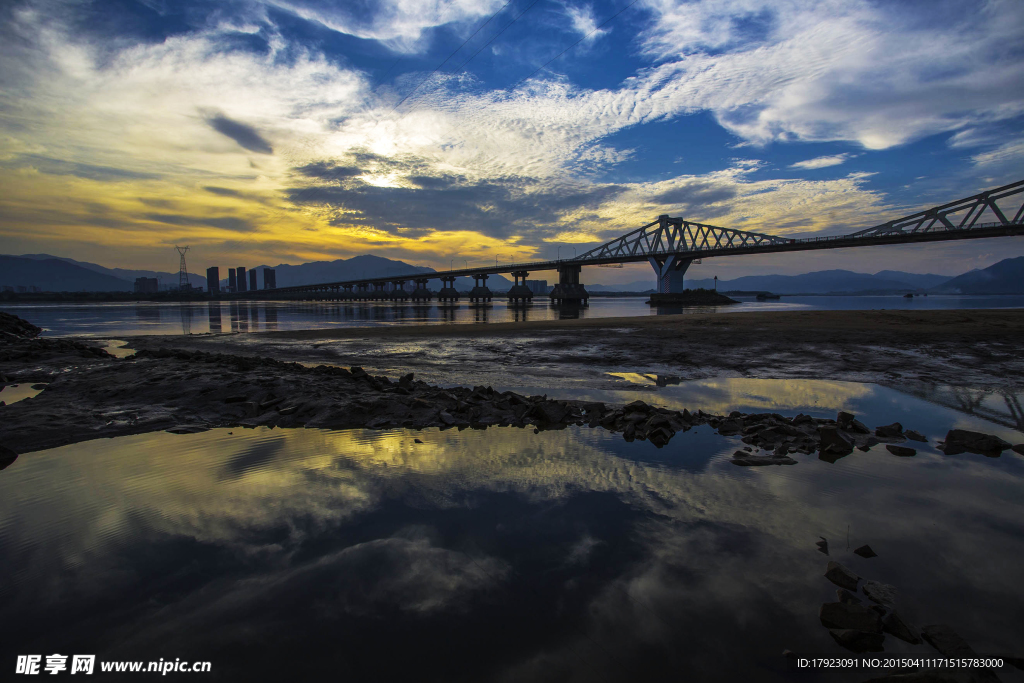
(569, 290)
(520, 293)
(421, 293)
(670, 271)
(480, 293)
(378, 292)
(347, 295)
(399, 293)
(448, 291)
(362, 291)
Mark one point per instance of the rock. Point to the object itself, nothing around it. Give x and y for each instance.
(881, 593)
(730, 427)
(847, 615)
(629, 433)
(947, 641)
(894, 625)
(1019, 448)
(406, 380)
(889, 431)
(841, 576)
(858, 641)
(7, 457)
(446, 417)
(865, 551)
(833, 442)
(358, 372)
(38, 387)
(550, 412)
(235, 399)
(844, 418)
(915, 436)
(417, 441)
(858, 427)
(960, 440)
(822, 545)
(288, 410)
(847, 597)
(901, 451)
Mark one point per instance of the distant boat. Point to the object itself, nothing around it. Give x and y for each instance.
(908, 296)
(764, 296)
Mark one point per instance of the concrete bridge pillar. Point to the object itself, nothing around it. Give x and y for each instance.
(520, 293)
(480, 293)
(399, 293)
(670, 271)
(378, 291)
(362, 291)
(347, 294)
(448, 291)
(421, 293)
(569, 290)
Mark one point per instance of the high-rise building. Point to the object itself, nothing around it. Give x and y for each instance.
(146, 285)
(240, 273)
(232, 282)
(252, 280)
(269, 278)
(538, 287)
(213, 280)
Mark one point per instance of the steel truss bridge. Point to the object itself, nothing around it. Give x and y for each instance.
(671, 244)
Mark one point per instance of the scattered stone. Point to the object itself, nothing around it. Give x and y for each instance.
(947, 641)
(960, 440)
(880, 593)
(915, 436)
(894, 625)
(833, 442)
(902, 451)
(858, 641)
(847, 597)
(889, 431)
(848, 615)
(841, 576)
(865, 551)
(1019, 448)
(38, 387)
(417, 441)
(446, 418)
(822, 545)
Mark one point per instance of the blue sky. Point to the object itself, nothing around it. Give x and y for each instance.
(422, 130)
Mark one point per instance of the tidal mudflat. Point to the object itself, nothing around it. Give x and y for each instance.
(584, 500)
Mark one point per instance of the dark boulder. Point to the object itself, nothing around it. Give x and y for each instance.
(841, 576)
(865, 551)
(894, 625)
(7, 457)
(902, 451)
(1018, 448)
(833, 442)
(847, 615)
(889, 431)
(960, 440)
(915, 436)
(858, 641)
(880, 593)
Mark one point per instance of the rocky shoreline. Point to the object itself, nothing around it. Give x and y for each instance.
(90, 394)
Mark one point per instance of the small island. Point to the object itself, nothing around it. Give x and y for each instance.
(691, 297)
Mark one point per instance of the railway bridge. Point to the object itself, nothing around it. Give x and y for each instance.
(672, 244)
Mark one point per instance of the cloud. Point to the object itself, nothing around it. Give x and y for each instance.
(246, 136)
(821, 162)
(103, 174)
(223, 222)
(584, 22)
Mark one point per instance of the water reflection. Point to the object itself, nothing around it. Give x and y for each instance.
(487, 555)
(213, 313)
(185, 313)
(1002, 406)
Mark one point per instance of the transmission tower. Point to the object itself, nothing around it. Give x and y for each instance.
(183, 271)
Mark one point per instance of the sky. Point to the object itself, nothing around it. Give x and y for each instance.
(446, 131)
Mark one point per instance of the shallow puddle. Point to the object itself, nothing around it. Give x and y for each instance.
(12, 393)
(500, 554)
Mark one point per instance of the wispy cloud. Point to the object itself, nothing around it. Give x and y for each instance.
(821, 162)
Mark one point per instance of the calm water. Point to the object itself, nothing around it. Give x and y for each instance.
(125, 319)
(503, 555)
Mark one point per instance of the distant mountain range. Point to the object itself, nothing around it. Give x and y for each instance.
(53, 273)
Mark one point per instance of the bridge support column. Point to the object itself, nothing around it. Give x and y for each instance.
(480, 293)
(569, 290)
(362, 291)
(378, 291)
(520, 293)
(421, 293)
(347, 294)
(670, 271)
(448, 291)
(399, 293)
